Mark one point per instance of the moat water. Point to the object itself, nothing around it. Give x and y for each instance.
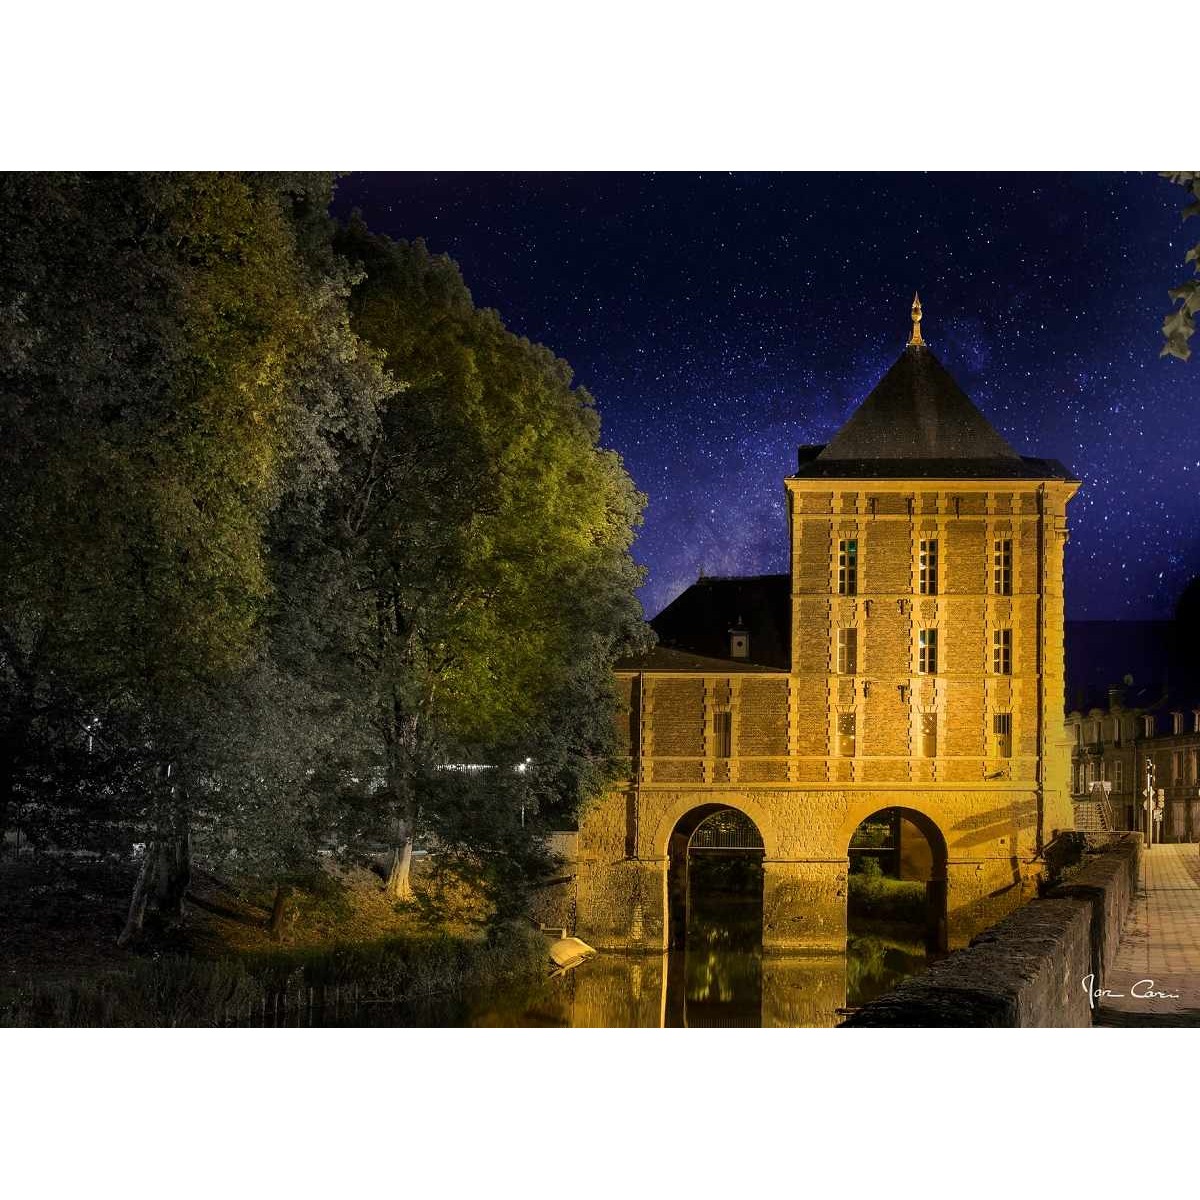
(719, 979)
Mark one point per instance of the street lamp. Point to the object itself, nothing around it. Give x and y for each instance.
(1148, 804)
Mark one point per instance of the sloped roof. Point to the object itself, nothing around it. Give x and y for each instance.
(918, 422)
(664, 658)
(695, 626)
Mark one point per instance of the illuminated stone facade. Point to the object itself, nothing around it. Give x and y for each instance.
(924, 671)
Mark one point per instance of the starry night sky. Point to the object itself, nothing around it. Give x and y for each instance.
(721, 320)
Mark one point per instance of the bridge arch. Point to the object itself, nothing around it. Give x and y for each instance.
(932, 864)
(713, 831)
(683, 809)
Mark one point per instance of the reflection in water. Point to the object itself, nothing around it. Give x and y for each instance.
(720, 978)
(715, 981)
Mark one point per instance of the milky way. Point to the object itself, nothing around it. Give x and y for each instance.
(721, 320)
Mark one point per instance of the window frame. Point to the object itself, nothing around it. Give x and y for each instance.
(1002, 656)
(929, 735)
(927, 650)
(1002, 566)
(1002, 739)
(845, 720)
(927, 567)
(847, 567)
(723, 732)
(846, 650)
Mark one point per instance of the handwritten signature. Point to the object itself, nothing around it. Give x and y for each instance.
(1142, 990)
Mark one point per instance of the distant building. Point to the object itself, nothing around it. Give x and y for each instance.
(1134, 699)
(910, 661)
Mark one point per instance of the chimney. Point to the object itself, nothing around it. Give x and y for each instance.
(1116, 698)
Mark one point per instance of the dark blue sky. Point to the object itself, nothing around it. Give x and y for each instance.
(722, 319)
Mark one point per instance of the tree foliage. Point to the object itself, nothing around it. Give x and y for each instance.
(295, 532)
(1180, 323)
(488, 578)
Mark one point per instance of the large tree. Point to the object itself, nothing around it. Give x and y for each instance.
(176, 359)
(485, 541)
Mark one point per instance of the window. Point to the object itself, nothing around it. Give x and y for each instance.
(723, 733)
(846, 734)
(1196, 720)
(1148, 726)
(1193, 765)
(848, 568)
(1002, 567)
(1118, 775)
(929, 735)
(1177, 767)
(927, 652)
(929, 567)
(1002, 734)
(847, 651)
(1177, 722)
(1002, 652)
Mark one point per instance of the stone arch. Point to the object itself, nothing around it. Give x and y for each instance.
(678, 869)
(936, 885)
(681, 808)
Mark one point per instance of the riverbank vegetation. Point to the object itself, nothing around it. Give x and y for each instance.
(311, 565)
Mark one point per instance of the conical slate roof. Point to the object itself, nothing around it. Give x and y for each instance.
(918, 422)
(917, 411)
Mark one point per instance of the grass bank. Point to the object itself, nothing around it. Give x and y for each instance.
(346, 945)
(179, 991)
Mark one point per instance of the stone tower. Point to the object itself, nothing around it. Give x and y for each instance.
(911, 661)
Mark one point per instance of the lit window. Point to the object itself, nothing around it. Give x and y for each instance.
(1002, 734)
(929, 735)
(848, 567)
(846, 734)
(1002, 652)
(847, 651)
(723, 733)
(1002, 567)
(927, 652)
(929, 567)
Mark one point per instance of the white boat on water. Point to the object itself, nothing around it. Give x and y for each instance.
(569, 952)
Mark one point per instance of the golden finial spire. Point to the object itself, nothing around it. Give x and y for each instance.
(916, 339)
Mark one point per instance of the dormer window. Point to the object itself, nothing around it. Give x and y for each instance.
(739, 641)
(1177, 722)
(1148, 726)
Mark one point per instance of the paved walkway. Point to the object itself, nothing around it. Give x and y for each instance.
(1160, 952)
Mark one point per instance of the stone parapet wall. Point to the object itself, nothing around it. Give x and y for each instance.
(1028, 971)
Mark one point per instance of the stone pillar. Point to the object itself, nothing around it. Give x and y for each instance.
(622, 904)
(978, 893)
(804, 905)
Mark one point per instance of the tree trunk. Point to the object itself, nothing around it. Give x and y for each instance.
(175, 873)
(141, 894)
(279, 910)
(399, 880)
